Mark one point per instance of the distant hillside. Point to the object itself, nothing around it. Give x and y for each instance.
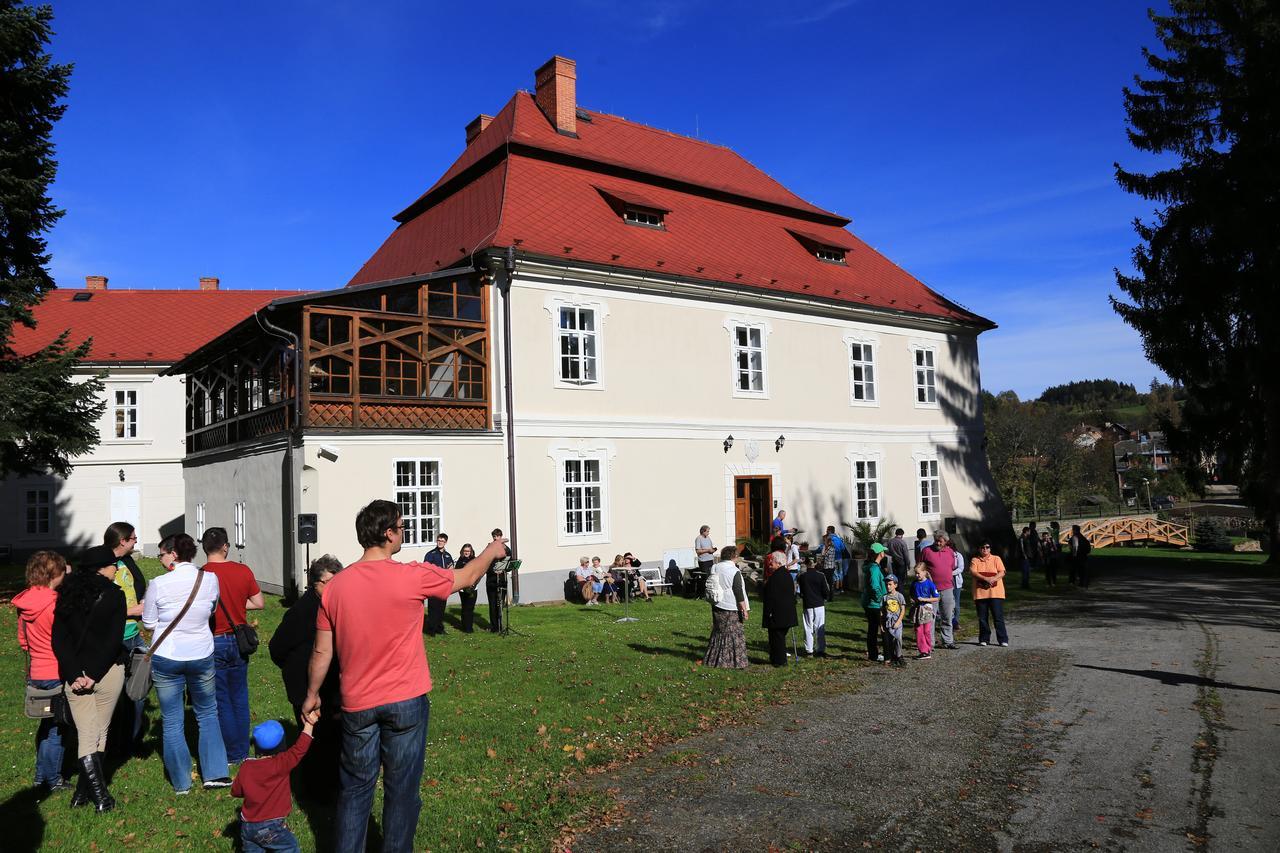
(1093, 394)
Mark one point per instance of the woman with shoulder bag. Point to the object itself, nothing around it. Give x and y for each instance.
(35, 605)
(88, 640)
(177, 611)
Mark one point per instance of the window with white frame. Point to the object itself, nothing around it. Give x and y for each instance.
(866, 489)
(930, 488)
(926, 377)
(579, 351)
(199, 519)
(862, 372)
(582, 491)
(38, 510)
(238, 525)
(748, 359)
(417, 488)
(125, 413)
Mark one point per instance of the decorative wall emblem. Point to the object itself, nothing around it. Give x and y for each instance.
(753, 450)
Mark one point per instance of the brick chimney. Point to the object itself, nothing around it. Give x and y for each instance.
(556, 91)
(477, 126)
(208, 283)
(95, 282)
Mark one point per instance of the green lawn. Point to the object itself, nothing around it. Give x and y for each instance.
(513, 719)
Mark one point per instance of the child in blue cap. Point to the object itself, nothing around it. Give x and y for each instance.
(263, 783)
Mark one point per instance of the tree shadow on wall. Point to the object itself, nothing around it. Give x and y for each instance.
(964, 463)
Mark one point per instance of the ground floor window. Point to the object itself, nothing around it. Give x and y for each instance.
(417, 488)
(866, 489)
(930, 488)
(199, 520)
(37, 510)
(238, 517)
(582, 492)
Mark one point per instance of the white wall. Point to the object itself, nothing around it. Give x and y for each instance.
(253, 475)
(151, 464)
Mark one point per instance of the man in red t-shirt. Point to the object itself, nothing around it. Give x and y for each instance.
(238, 593)
(371, 615)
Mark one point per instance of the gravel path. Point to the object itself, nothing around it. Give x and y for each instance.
(1142, 716)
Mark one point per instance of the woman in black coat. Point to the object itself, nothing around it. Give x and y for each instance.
(88, 641)
(469, 594)
(779, 601)
(290, 649)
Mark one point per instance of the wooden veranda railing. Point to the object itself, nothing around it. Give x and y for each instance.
(1102, 532)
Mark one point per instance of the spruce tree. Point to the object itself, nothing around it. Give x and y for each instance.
(45, 416)
(1208, 263)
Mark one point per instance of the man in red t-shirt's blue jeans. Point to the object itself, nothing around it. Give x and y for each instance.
(371, 617)
(238, 592)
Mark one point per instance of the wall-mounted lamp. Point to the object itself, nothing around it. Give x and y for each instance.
(728, 442)
(120, 474)
(777, 445)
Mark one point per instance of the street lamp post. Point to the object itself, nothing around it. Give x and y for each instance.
(1147, 483)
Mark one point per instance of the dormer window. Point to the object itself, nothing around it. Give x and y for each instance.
(640, 216)
(830, 249)
(635, 209)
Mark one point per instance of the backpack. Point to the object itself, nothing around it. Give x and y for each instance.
(714, 591)
(573, 589)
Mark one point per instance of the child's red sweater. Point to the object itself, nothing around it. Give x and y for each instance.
(264, 783)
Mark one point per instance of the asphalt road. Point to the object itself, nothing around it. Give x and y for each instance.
(1143, 715)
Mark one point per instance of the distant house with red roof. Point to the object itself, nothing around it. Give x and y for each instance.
(135, 472)
(599, 336)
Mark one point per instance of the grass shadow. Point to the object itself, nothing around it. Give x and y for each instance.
(22, 821)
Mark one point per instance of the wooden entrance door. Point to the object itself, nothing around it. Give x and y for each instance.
(752, 507)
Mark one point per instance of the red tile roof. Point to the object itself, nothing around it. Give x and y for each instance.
(140, 326)
(521, 183)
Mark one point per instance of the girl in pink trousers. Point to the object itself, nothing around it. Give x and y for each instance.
(926, 596)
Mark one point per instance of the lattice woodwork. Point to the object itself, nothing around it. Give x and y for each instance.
(397, 416)
(1102, 532)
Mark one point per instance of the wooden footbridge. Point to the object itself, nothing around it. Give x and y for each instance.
(1102, 532)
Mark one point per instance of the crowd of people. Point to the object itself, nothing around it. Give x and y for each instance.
(917, 584)
(354, 665)
(350, 652)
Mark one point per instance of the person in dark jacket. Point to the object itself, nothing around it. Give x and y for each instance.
(467, 595)
(88, 640)
(779, 601)
(495, 587)
(814, 591)
(290, 649)
(126, 726)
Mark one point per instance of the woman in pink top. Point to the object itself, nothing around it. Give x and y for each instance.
(45, 571)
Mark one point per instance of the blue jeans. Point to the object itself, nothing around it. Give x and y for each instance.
(49, 749)
(395, 736)
(231, 670)
(260, 835)
(170, 677)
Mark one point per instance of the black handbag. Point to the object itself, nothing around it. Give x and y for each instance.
(246, 635)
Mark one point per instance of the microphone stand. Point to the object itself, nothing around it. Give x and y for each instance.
(626, 599)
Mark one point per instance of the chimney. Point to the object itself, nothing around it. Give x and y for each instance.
(556, 91)
(95, 282)
(477, 126)
(208, 283)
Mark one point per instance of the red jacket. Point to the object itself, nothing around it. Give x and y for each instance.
(264, 783)
(35, 616)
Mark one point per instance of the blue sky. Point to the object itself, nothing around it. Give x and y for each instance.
(270, 143)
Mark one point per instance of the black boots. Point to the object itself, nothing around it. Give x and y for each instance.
(94, 781)
(81, 795)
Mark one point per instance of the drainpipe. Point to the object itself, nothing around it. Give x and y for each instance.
(293, 467)
(508, 391)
